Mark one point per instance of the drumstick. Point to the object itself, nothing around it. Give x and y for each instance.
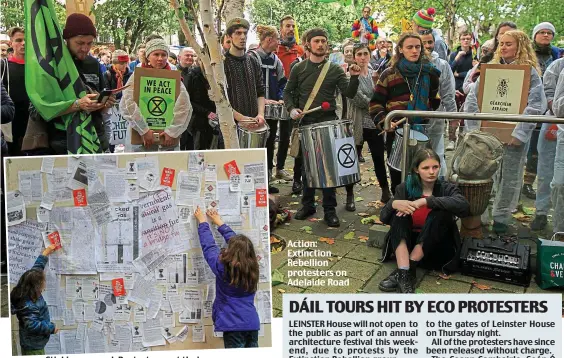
(395, 124)
(324, 106)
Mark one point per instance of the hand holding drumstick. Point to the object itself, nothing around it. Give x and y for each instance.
(393, 126)
(297, 113)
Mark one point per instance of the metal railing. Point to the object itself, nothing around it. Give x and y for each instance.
(457, 115)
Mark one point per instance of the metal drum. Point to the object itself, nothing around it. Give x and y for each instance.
(276, 112)
(477, 192)
(329, 154)
(253, 138)
(417, 141)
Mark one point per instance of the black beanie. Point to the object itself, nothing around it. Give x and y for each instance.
(316, 32)
(78, 24)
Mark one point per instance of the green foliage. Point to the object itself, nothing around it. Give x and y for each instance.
(12, 13)
(334, 17)
(127, 22)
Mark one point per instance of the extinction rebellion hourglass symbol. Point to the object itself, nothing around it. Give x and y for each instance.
(345, 155)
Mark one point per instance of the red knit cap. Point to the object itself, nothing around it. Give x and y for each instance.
(78, 24)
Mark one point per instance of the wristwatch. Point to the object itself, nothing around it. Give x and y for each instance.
(76, 106)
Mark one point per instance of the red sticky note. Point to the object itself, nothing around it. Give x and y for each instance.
(119, 287)
(262, 198)
(79, 197)
(167, 177)
(231, 168)
(55, 239)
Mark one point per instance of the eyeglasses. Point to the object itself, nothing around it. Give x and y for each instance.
(425, 32)
(545, 33)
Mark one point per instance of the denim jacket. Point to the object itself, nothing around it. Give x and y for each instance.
(33, 317)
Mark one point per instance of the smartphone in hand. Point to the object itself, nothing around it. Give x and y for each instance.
(104, 95)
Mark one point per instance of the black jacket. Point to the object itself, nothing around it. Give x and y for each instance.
(198, 86)
(461, 66)
(110, 79)
(446, 197)
(91, 75)
(7, 115)
(13, 78)
(7, 107)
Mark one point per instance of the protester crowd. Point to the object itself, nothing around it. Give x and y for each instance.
(365, 78)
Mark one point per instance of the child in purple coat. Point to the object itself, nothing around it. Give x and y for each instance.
(237, 274)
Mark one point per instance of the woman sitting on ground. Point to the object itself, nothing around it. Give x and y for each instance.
(423, 225)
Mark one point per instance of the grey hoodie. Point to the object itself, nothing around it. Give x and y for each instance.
(440, 46)
(446, 92)
(558, 103)
(550, 78)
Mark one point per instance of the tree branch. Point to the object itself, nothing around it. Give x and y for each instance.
(219, 14)
(195, 15)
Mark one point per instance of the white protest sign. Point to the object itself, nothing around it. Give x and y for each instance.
(119, 126)
(25, 243)
(159, 221)
(347, 162)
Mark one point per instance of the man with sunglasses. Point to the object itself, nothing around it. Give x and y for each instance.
(422, 22)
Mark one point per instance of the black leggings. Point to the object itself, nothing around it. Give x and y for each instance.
(376, 145)
(434, 237)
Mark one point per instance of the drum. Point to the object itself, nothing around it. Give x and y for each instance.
(478, 193)
(329, 154)
(253, 138)
(417, 141)
(276, 112)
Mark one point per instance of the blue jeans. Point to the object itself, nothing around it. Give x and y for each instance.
(435, 131)
(240, 339)
(545, 171)
(512, 168)
(557, 184)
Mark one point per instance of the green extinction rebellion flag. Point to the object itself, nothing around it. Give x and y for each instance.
(51, 78)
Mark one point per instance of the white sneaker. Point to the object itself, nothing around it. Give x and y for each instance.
(450, 145)
(284, 175)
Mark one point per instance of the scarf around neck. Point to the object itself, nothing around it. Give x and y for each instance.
(366, 23)
(543, 50)
(418, 77)
(119, 76)
(288, 43)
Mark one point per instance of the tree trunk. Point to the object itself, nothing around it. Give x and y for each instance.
(225, 112)
(213, 69)
(233, 8)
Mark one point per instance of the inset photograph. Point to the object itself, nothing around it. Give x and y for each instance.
(138, 252)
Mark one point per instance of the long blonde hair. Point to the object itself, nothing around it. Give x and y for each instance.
(525, 53)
